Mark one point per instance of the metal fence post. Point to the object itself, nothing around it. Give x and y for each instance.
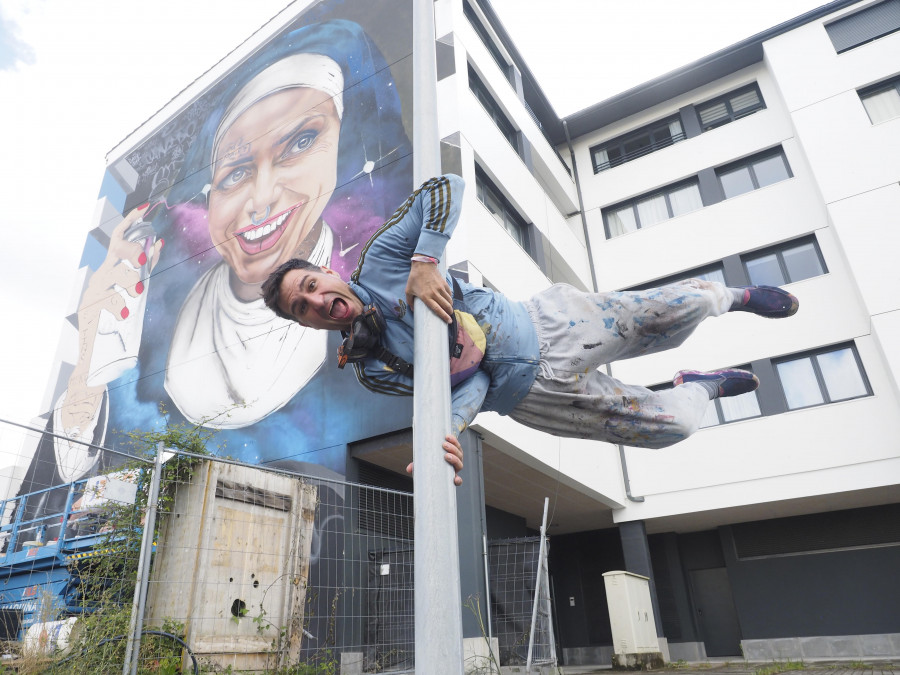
(537, 587)
(136, 624)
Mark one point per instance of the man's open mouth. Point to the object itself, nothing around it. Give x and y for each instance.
(338, 309)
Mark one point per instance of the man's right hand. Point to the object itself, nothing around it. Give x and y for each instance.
(426, 283)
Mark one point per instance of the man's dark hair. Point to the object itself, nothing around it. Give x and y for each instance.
(271, 288)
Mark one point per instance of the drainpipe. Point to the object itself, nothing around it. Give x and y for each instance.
(587, 236)
(587, 241)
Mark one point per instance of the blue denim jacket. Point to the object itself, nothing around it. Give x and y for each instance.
(424, 224)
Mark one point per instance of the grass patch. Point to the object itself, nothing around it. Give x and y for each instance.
(779, 667)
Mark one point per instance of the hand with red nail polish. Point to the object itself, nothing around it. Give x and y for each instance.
(124, 272)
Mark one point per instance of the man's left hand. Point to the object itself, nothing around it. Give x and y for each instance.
(426, 283)
(453, 456)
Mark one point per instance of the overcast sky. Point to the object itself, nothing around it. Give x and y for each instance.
(77, 77)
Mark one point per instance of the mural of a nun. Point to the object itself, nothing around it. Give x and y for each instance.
(300, 151)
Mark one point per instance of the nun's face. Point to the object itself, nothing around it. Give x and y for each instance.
(275, 170)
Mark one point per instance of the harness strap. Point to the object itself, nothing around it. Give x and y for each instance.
(393, 361)
(397, 364)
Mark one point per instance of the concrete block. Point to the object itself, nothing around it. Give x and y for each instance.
(878, 644)
(816, 647)
(687, 651)
(588, 656)
(785, 648)
(638, 661)
(845, 646)
(895, 643)
(351, 663)
(841, 647)
(755, 650)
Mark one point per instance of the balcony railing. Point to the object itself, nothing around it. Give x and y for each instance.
(640, 152)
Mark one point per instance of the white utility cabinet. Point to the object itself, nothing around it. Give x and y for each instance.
(630, 613)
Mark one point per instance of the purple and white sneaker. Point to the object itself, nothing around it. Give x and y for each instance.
(768, 301)
(726, 382)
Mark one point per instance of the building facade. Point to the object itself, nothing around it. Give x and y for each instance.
(772, 532)
(775, 530)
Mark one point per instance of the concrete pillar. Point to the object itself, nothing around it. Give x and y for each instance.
(636, 551)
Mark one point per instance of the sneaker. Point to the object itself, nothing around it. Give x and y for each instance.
(768, 301)
(727, 382)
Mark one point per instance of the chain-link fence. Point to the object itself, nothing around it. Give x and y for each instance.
(513, 566)
(254, 569)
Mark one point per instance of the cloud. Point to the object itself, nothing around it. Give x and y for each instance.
(13, 51)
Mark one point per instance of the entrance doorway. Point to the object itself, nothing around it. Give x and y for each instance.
(716, 614)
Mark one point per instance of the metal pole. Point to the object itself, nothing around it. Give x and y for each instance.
(487, 590)
(136, 625)
(438, 603)
(537, 586)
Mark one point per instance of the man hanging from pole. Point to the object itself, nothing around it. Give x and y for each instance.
(536, 361)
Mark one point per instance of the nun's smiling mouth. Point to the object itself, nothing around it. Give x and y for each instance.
(258, 238)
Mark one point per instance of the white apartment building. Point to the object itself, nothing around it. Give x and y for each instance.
(773, 532)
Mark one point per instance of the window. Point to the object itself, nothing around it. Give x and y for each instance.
(864, 26)
(485, 37)
(825, 376)
(499, 208)
(481, 93)
(789, 262)
(882, 101)
(730, 107)
(637, 144)
(709, 273)
(650, 209)
(753, 173)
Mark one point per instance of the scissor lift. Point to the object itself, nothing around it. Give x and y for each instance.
(46, 535)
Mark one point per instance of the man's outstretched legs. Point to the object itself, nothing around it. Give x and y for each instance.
(579, 332)
(602, 408)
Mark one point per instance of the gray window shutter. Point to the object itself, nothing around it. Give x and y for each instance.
(865, 26)
(713, 114)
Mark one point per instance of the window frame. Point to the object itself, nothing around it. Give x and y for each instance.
(620, 141)
(726, 99)
(633, 203)
(778, 251)
(817, 371)
(475, 21)
(495, 112)
(878, 88)
(694, 273)
(747, 163)
(510, 214)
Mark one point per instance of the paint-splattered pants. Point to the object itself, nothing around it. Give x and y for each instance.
(579, 332)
